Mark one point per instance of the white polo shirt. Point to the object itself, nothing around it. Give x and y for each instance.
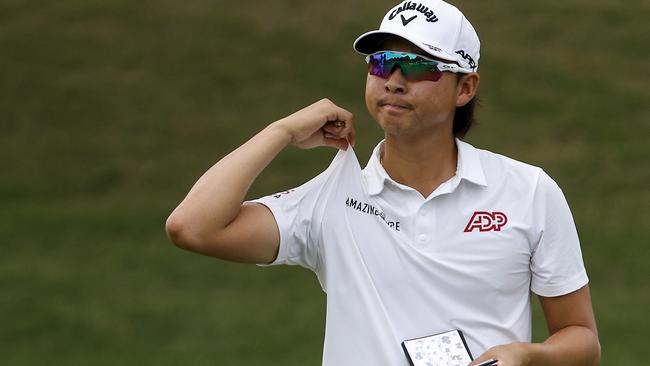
(396, 265)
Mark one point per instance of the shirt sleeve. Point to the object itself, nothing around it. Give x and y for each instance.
(298, 213)
(557, 266)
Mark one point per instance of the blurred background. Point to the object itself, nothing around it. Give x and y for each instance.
(110, 111)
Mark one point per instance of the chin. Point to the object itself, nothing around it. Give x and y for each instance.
(392, 126)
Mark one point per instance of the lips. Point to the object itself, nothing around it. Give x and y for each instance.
(394, 103)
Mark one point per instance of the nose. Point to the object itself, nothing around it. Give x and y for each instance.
(396, 83)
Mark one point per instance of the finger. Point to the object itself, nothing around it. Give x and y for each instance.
(334, 127)
(349, 133)
(340, 129)
(346, 117)
(352, 137)
(335, 141)
(482, 358)
(339, 114)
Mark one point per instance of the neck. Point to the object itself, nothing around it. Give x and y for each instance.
(422, 164)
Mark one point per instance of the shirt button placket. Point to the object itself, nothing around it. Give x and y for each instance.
(423, 224)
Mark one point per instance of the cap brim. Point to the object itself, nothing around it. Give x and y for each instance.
(369, 42)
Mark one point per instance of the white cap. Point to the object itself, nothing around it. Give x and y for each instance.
(438, 28)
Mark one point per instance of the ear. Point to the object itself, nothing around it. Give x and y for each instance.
(467, 88)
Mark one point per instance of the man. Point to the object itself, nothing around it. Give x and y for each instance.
(432, 235)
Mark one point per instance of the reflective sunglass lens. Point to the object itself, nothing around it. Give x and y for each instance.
(377, 69)
(412, 66)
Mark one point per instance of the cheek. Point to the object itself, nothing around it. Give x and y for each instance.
(440, 96)
(373, 89)
(433, 103)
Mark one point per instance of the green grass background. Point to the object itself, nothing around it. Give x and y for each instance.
(110, 110)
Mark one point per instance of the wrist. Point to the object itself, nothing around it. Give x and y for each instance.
(279, 130)
(533, 353)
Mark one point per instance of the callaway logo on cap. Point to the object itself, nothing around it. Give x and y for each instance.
(438, 28)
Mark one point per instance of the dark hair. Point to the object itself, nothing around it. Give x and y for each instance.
(464, 118)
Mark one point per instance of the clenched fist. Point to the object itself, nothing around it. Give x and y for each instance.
(320, 124)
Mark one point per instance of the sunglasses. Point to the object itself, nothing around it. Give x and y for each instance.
(414, 67)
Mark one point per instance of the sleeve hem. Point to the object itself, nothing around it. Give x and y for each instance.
(282, 251)
(575, 283)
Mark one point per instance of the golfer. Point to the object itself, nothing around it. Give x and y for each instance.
(433, 235)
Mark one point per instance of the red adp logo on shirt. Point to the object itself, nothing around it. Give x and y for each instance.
(486, 221)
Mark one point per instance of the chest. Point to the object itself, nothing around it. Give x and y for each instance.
(480, 245)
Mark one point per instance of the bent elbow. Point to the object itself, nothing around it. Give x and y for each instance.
(597, 352)
(178, 232)
(186, 234)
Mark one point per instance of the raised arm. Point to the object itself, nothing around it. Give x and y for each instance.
(212, 220)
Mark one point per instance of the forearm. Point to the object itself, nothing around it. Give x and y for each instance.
(572, 345)
(216, 198)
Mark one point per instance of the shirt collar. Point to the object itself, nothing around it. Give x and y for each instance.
(469, 168)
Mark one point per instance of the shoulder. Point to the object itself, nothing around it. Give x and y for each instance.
(516, 179)
(504, 170)
(340, 173)
(495, 161)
